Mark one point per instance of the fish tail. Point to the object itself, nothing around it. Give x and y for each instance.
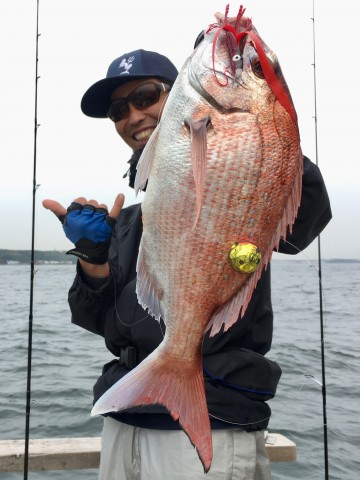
(165, 380)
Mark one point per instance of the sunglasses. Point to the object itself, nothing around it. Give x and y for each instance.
(142, 97)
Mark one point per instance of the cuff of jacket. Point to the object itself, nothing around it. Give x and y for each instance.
(92, 282)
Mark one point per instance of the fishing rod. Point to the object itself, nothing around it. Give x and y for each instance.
(32, 264)
(323, 384)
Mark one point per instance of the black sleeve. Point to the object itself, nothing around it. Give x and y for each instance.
(89, 304)
(314, 212)
(107, 306)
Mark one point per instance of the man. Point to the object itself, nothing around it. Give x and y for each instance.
(145, 443)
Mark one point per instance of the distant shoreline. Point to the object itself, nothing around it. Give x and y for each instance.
(41, 257)
(59, 257)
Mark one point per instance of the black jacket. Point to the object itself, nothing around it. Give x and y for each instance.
(238, 377)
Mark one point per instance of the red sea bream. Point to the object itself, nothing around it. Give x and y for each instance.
(224, 170)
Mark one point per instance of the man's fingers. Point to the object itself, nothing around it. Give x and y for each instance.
(118, 205)
(60, 211)
(92, 202)
(95, 204)
(81, 200)
(55, 207)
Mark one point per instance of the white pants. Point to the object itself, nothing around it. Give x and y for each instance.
(132, 453)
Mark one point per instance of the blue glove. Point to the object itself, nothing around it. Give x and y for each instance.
(90, 229)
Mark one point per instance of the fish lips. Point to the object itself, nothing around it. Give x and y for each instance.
(221, 96)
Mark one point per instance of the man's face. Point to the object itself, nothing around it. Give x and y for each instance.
(137, 126)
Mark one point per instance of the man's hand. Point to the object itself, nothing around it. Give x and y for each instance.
(88, 225)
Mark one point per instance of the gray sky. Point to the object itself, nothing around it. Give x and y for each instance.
(77, 155)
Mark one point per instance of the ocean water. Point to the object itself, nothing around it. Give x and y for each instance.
(67, 360)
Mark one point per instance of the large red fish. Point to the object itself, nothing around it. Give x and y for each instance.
(224, 168)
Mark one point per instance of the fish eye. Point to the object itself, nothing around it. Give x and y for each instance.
(236, 58)
(256, 67)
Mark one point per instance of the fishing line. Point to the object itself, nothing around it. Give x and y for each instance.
(323, 387)
(309, 261)
(32, 264)
(117, 312)
(284, 404)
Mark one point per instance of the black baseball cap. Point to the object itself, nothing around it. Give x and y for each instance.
(128, 67)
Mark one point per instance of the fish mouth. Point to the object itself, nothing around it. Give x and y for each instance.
(196, 84)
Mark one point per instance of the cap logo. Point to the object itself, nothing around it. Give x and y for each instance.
(126, 64)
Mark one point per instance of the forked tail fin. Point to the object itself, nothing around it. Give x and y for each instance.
(162, 379)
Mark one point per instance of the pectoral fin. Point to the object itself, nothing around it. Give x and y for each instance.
(198, 133)
(146, 161)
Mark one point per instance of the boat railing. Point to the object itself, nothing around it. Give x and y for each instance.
(84, 453)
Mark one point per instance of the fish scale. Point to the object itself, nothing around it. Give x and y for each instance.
(225, 167)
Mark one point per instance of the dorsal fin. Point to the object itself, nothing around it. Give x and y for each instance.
(228, 314)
